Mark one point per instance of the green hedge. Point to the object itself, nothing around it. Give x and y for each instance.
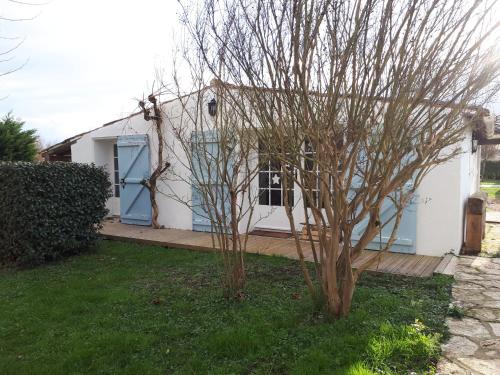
(491, 170)
(49, 210)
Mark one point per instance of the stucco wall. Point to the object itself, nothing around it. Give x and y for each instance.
(441, 196)
(439, 210)
(470, 175)
(97, 147)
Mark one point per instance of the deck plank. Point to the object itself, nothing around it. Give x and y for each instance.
(433, 262)
(395, 263)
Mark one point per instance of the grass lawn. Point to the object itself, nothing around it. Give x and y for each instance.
(488, 187)
(490, 182)
(130, 309)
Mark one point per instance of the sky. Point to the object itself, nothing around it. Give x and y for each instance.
(87, 61)
(84, 62)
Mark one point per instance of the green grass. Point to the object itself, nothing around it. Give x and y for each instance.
(130, 309)
(493, 192)
(490, 182)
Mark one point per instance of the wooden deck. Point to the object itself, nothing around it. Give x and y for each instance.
(400, 264)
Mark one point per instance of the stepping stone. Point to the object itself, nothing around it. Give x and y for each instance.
(492, 304)
(482, 366)
(490, 284)
(492, 353)
(459, 276)
(468, 270)
(491, 276)
(480, 262)
(465, 305)
(468, 286)
(496, 328)
(459, 346)
(467, 296)
(474, 346)
(490, 345)
(490, 265)
(467, 327)
(466, 260)
(490, 271)
(493, 295)
(446, 367)
(484, 314)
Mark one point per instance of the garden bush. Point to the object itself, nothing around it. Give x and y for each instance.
(491, 170)
(49, 210)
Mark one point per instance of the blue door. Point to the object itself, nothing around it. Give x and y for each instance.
(205, 148)
(406, 233)
(133, 162)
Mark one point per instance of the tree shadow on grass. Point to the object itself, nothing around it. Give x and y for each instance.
(168, 305)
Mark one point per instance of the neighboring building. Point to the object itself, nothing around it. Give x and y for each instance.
(60, 151)
(490, 151)
(432, 225)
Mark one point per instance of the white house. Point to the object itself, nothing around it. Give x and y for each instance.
(435, 225)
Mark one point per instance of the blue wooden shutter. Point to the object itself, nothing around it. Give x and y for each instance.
(406, 233)
(205, 169)
(134, 167)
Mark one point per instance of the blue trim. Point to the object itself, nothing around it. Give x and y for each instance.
(134, 167)
(201, 219)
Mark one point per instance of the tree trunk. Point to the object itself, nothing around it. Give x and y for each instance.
(338, 301)
(154, 205)
(346, 297)
(162, 165)
(237, 278)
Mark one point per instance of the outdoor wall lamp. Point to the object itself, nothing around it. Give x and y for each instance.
(474, 145)
(212, 107)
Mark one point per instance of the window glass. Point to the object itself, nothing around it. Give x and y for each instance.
(116, 173)
(270, 180)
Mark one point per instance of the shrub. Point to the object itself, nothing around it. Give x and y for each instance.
(49, 210)
(491, 170)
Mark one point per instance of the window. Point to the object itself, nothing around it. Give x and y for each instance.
(270, 181)
(312, 176)
(116, 173)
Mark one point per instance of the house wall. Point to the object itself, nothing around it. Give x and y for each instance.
(104, 157)
(97, 147)
(441, 196)
(470, 174)
(89, 149)
(441, 199)
(439, 210)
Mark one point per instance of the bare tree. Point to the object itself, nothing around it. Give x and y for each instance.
(213, 152)
(155, 115)
(6, 55)
(359, 100)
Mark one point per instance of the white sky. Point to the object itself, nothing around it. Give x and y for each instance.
(88, 60)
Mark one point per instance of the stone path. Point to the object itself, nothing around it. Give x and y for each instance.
(493, 216)
(474, 346)
(491, 243)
